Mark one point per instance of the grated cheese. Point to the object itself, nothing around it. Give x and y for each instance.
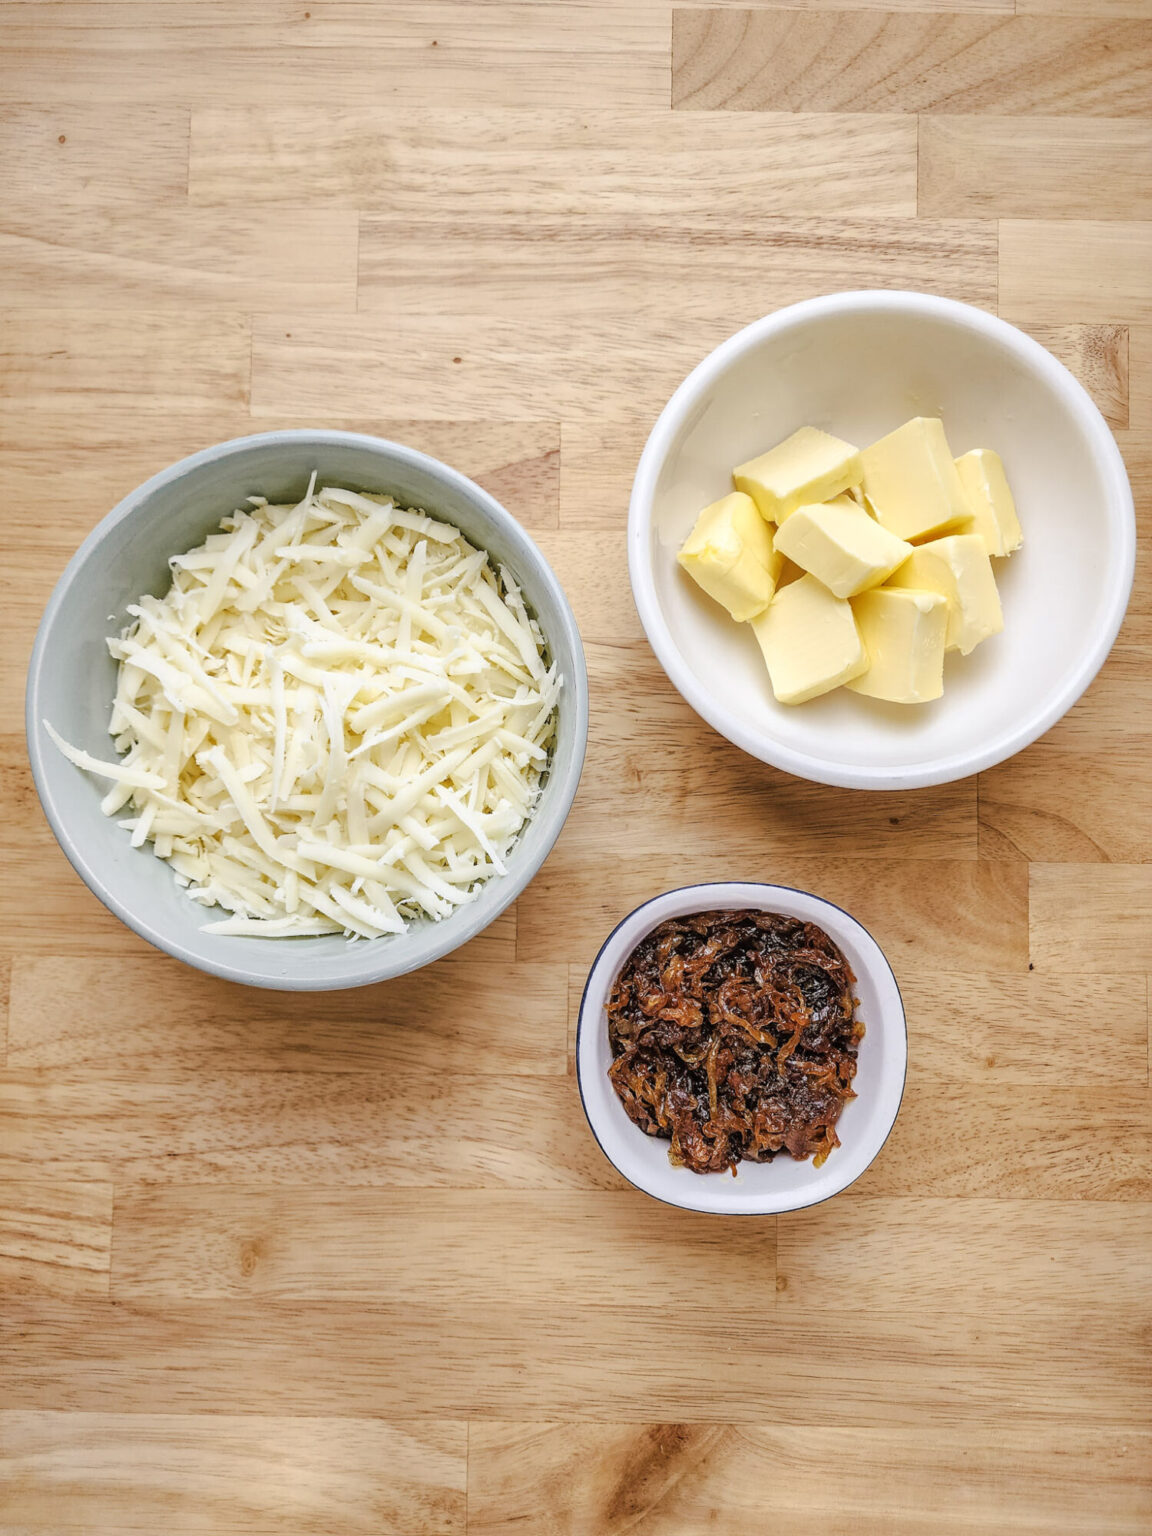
(336, 720)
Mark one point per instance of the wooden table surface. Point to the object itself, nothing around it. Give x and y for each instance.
(344, 1264)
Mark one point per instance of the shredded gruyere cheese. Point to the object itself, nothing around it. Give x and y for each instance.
(334, 722)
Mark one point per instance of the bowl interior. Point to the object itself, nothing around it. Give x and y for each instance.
(859, 370)
(758, 1188)
(72, 681)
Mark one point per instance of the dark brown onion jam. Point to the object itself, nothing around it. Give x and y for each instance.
(734, 1036)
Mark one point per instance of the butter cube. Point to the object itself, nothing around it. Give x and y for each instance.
(911, 480)
(841, 545)
(809, 640)
(853, 499)
(903, 632)
(729, 554)
(810, 466)
(958, 568)
(993, 509)
(788, 574)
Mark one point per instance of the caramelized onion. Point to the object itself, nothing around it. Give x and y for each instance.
(734, 1036)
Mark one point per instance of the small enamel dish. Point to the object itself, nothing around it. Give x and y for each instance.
(758, 1189)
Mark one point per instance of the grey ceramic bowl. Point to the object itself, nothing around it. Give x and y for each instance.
(71, 680)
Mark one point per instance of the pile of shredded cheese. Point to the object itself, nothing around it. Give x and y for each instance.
(334, 722)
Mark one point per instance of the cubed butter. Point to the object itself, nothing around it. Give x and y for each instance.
(993, 509)
(810, 466)
(841, 545)
(788, 574)
(809, 640)
(729, 553)
(850, 499)
(911, 480)
(958, 568)
(903, 632)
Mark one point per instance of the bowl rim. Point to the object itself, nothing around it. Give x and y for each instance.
(805, 765)
(472, 921)
(879, 966)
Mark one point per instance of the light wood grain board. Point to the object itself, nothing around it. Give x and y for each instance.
(228, 1473)
(692, 1479)
(273, 1265)
(447, 53)
(1035, 167)
(541, 1363)
(779, 60)
(615, 165)
(82, 259)
(1140, 349)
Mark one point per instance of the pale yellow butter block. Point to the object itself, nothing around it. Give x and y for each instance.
(911, 480)
(958, 568)
(810, 466)
(990, 497)
(903, 632)
(853, 500)
(730, 554)
(841, 545)
(809, 640)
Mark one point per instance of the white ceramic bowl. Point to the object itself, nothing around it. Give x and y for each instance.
(71, 681)
(759, 1189)
(858, 365)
